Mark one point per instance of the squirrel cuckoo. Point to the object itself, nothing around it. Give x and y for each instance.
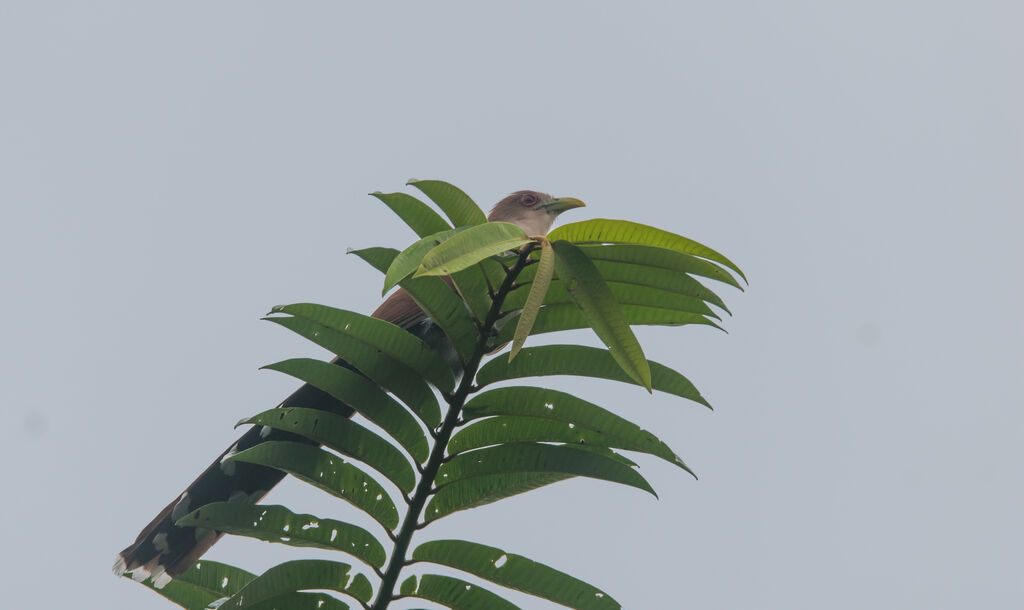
(164, 550)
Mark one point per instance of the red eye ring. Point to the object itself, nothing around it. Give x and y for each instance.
(529, 199)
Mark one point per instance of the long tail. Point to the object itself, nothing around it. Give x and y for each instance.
(164, 550)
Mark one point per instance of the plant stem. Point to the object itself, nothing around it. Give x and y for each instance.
(423, 489)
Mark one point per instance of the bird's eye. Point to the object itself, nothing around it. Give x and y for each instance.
(528, 199)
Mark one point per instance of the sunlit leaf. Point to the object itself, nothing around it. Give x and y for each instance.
(454, 593)
(515, 572)
(599, 308)
(456, 204)
(603, 230)
(418, 215)
(582, 361)
(364, 396)
(539, 458)
(535, 298)
(469, 247)
(328, 472)
(344, 436)
(411, 258)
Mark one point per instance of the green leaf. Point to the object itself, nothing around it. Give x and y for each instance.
(344, 436)
(668, 270)
(603, 230)
(471, 284)
(418, 215)
(478, 491)
(602, 312)
(540, 458)
(289, 577)
(625, 294)
(300, 601)
(203, 583)
(567, 316)
(669, 280)
(456, 205)
(581, 361)
(538, 291)
(469, 247)
(434, 296)
(365, 398)
(360, 588)
(278, 524)
(409, 260)
(326, 472)
(456, 594)
(515, 572)
(392, 341)
(562, 418)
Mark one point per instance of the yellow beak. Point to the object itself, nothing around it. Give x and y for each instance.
(562, 204)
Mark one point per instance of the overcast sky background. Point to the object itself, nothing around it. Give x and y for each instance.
(171, 172)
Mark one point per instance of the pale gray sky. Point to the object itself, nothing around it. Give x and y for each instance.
(169, 172)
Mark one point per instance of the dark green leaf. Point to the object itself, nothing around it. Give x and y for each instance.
(583, 361)
(418, 215)
(300, 601)
(540, 458)
(278, 524)
(392, 341)
(203, 583)
(457, 594)
(576, 416)
(517, 429)
(344, 436)
(478, 491)
(599, 308)
(456, 204)
(360, 588)
(411, 258)
(603, 230)
(471, 284)
(289, 577)
(365, 398)
(469, 247)
(515, 572)
(327, 472)
(436, 298)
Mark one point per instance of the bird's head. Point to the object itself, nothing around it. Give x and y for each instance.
(533, 211)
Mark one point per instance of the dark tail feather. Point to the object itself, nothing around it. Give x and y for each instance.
(164, 550)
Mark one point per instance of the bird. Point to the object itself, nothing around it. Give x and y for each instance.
(164, 550)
